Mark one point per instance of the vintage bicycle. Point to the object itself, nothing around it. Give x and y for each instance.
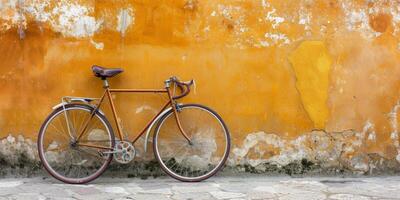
(76, 142)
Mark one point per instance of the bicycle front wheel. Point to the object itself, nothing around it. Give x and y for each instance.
(69, 160)
(204, 155)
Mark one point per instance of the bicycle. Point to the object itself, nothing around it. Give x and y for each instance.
(76, 142)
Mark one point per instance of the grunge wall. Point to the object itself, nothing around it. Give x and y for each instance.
(297, 80)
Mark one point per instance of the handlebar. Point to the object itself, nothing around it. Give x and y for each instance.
(184, 86)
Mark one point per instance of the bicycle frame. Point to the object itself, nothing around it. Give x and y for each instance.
(108, 92)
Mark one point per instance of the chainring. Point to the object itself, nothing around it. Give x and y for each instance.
(124, 152)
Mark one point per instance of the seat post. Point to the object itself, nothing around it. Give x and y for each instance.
(105, 83)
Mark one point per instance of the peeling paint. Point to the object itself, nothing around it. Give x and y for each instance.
(394, 136)
(274, 19)
(328, 150)
(144, 108)
(97, 45)
(126, 18)
(74, 20)
(11, 148)
(362, 18)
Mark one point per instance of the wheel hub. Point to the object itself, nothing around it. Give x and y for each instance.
(73, 143)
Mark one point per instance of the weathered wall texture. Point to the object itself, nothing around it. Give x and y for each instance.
(315, 80)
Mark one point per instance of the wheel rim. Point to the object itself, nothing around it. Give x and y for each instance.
(66, 160)
(202, 158)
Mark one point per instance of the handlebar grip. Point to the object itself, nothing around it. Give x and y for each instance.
(184, 87)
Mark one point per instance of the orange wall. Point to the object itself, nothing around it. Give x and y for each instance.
(269, 67)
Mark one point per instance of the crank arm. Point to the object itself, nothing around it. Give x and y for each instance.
(111, 152)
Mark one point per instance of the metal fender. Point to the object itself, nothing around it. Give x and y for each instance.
(151, 127)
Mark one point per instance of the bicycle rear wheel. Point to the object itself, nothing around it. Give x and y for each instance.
(63, 157)
(209, 148)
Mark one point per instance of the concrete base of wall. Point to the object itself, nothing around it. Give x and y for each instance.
(18, 158)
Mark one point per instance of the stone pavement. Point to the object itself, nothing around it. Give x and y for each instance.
(237, 187)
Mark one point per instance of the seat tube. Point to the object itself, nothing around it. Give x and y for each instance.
(114, 114)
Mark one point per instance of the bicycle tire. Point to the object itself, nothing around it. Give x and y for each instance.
(180, 177)
(41, 149)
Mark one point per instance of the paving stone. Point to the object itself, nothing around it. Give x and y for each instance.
(226, 195)
(261, 187)
(348, 197)
(133, 189)
(193, 196)
(10, 191)
(25, 196)
(236, 187)
(261, 195)
(10, 184)
(165, 191)
(307, 196)
(195, 188)
(115, 190)
(150, 196)
(85, 190)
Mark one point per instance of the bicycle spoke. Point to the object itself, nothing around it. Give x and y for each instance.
(62, 134)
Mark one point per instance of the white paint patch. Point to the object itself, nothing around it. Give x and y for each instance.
(368, 131)
(97, 45)
(74, 20)
(38, 9)
(264, 43)
(395, 12)
(372, 136)
(393, 122)
(305, 19)
(357, 19)
(395, 131)
(265, 4)
(12, 18)
(274, 19)
(71, 19)
(317, 146)
(10, 139)
(144, 108)
(126, 17)
(213, 13)
(277, 38)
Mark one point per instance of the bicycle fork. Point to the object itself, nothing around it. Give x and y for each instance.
(178, 122)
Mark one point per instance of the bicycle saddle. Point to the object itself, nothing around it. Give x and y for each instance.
(103, 72)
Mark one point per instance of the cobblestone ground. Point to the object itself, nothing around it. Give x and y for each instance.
(241, 187)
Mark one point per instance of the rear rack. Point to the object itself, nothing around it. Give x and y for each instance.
(70, 99)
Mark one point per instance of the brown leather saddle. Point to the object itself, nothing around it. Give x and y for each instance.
(104, 73)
